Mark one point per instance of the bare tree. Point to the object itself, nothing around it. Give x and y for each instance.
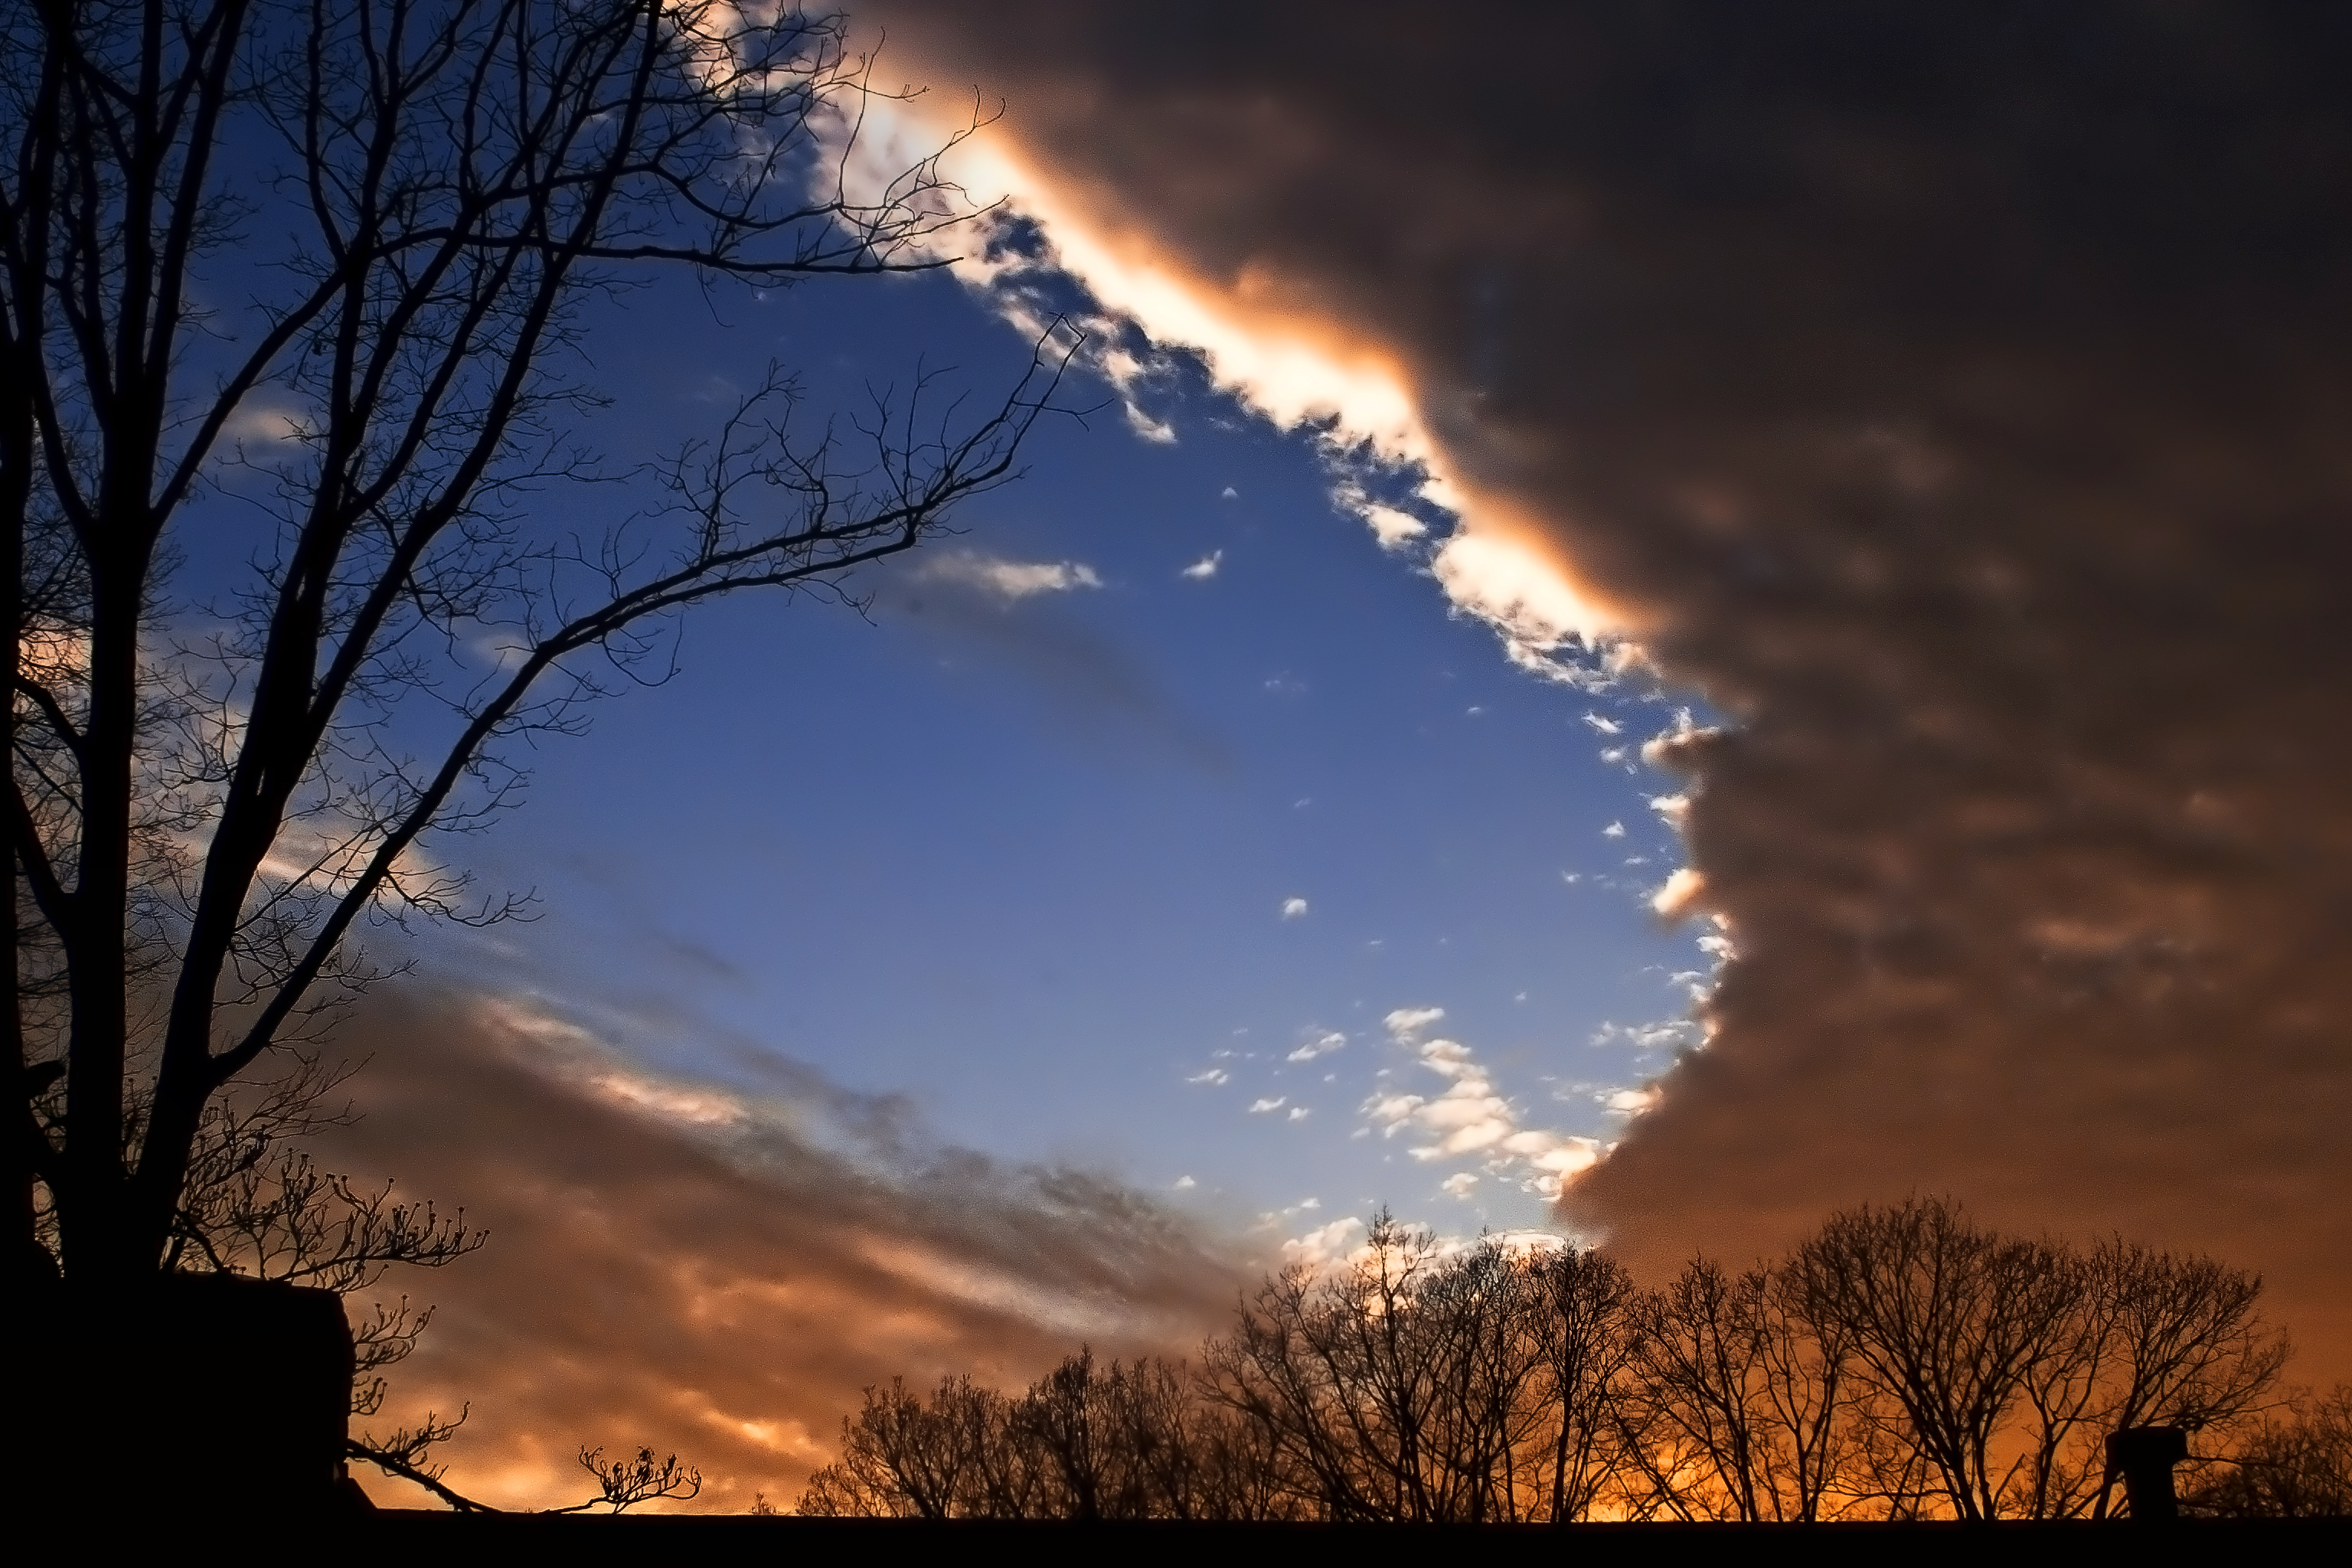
(2155, 1339)
(1744, 1409)
(1411, 1384)
(2005, 1363)
(1588, 1335)
(2295, 1464)
(198, 826)
(622, 1484)
(1902, 1364)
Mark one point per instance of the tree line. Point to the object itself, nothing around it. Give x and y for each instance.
(1903, 1363)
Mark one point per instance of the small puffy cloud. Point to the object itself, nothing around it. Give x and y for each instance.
(1299, 1113)
(1324, 1245)
(1294, 909)
(1614, 830)
(1184, 1184)
(1213, 1077)
(1008, 581)
(1675, 895)
(1266, 1106)
(1458, 1184)
(1322, 1043)
(1674, 808)
(1471, 1118)
(1159, 432)
(1393, 529)
(1228, 493)
(1203, 569)
(1406, 1022)
(1604, 726)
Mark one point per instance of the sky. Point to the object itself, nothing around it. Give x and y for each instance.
(1646, 622)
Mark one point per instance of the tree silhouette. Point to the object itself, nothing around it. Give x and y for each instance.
(1903, 1363)
(439, 187)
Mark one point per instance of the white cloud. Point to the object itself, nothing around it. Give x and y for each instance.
(1324, 1245)
(1470, 1119)
(1213, 1077)
(1614, 830)
(1203, 569)
(1299, 1113)
(1159, 432)
(1184, 1185)
(1678, 893)
(1659, 1033)
(1010, 581)
(1261, 1107)
(1407, 1022)
(1393, 529)
(1228, 493)
(1605, 726)
(1294, 909)
(1674, 808)
(1458, 1184)
(1320, 1045)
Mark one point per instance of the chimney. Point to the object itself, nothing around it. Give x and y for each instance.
(2146, 1456)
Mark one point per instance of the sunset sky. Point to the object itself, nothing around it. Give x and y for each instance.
(1818, 531)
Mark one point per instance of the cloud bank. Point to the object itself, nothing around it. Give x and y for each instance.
(732, 1266)
(1955, 395)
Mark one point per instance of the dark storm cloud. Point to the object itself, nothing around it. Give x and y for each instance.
(1960, 396)
(717, 1273)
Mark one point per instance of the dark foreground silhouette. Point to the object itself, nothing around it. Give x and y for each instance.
(412, 1537)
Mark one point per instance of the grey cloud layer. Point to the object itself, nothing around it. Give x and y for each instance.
(1959, 396)
(719, 1274)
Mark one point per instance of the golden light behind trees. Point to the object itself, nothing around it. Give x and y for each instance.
(1903, 1363)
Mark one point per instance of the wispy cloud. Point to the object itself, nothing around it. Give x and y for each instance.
(1319, 1043)
(1009, 580)
(1203, 569)
(717, 1269)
